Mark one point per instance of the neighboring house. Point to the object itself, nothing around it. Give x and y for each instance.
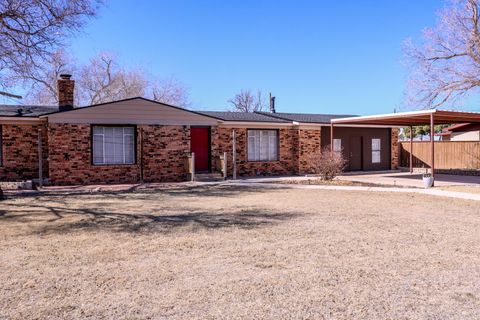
(136, 140)
(461, 132)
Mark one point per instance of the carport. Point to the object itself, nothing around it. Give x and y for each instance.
(429, 117)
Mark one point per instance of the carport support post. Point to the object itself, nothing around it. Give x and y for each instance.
(411, 149)
(234, 154)
(432, 144)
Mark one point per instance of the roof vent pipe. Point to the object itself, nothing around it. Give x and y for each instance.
(272, 104)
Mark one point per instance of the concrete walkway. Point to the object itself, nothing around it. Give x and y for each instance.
(271, 183)
(262, 182)
(406, 179)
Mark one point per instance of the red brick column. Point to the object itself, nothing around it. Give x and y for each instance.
(395, 151)
(309, 142)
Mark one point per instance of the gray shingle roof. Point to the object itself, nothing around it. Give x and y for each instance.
(282, 117)
(241, 116)
(25, 110)
(306, 117)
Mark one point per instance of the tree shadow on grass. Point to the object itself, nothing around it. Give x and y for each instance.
(194, 221)
(142, 193)
(64, 220)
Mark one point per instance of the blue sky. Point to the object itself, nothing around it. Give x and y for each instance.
(314, 56)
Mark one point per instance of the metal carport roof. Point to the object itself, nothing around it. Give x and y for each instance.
(408, 119)
(413, 118)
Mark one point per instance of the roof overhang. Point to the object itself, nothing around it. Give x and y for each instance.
(254, 124)
(21, 120)
(412, 118)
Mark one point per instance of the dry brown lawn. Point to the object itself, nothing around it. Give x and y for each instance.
(236, 253)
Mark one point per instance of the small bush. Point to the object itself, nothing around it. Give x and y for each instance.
(327, 164)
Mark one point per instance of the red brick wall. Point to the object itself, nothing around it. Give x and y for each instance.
(20, 152)
(309, 142)
(165, 150)
(395, 152)
(287, 163)
(70, 159)
(164, 156)
(294, 147)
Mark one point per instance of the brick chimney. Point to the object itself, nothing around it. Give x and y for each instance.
(66, 87)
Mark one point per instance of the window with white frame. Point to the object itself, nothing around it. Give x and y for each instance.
(113, 145)
(337, 145)
(376, 150)
(262, 145)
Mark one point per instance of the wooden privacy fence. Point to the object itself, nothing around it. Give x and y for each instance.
(448, 154)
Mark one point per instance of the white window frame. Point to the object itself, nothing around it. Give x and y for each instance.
(337, 145)
(376, 150)
(267, 141)
(125, 134)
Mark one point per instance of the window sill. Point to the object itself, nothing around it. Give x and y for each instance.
(114, 165)
(263, 161)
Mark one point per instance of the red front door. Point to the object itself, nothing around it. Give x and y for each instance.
(200, 145)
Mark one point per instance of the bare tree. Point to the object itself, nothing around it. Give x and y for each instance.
(42, 82)
(103, 80)
(446, 65)
(170, 91)
(100, 80)
(31, 31)
(246, 101)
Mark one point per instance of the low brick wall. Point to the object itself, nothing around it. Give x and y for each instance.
(20, 152)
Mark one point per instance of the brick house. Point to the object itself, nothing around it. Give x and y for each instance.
(137, 139)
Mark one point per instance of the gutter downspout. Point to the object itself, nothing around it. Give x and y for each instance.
(331, 137)
(40, 159)
(141, 155)
(432, 144)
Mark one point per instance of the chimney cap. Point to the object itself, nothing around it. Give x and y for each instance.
(65, 76)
